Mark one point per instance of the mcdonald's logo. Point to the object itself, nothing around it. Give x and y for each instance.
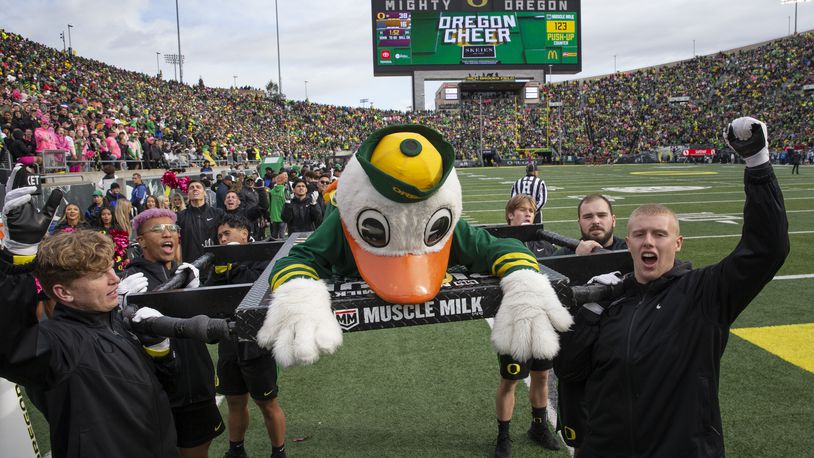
(476, 3)
(552, 54)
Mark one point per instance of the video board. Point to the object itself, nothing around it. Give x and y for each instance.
(410, 35)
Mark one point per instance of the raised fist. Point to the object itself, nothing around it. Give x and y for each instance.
(26, 224)
(747, 136)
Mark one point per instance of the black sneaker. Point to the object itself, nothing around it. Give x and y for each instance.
(544, 437)
(503, 447)
(240, 453)
(280, 454)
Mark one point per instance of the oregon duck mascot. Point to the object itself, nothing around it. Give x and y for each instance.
(397, 223)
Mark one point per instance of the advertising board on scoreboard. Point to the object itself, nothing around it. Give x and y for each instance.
(410, 35)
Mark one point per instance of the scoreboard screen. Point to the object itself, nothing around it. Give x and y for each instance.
(410, 35)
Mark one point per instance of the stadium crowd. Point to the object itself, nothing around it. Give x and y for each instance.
(96, 112)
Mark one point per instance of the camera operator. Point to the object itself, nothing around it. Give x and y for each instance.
(651, 360)
(99, 386)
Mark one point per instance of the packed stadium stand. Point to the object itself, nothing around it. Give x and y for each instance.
(627, 112)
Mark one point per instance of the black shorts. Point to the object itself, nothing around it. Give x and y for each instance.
(197, 423)
(236, 376)
(571, 412)
(515, 370)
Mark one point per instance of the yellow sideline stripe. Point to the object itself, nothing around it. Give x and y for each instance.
(793, 343)
(304, 267)
(292, 274)
(516, 255)
(521, 262)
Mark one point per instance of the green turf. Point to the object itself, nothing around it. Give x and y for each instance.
(429, 390)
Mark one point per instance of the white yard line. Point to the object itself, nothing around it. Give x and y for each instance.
(737, 235)
(793, 277)
(617, 205)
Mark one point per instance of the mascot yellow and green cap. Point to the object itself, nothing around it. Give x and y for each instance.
(406, 163)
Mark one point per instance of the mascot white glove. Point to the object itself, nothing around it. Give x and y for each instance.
(529, 317)
(300, 324)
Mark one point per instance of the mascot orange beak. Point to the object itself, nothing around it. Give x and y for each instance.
(405, 279)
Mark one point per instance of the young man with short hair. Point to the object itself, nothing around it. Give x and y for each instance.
(244, 368)
(519, 211)
(139, 194)
(199, 222)
(651, 358)
(596, 222)
(91, 374)
(195, 412)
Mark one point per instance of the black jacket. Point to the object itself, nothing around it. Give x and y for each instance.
(18, 147)
(195, 381)
(301, 215)
(199, 226)
(652, 360)
(101, 393)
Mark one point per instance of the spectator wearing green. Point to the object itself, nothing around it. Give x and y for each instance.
(276, 204)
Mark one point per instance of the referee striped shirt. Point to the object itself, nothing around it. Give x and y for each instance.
(532, 186)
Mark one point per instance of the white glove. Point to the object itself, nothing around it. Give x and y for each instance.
(196, 275)
(300, 324)
(529, 317)
(136, 283)
(608, 279)
(146, 313)
(749, 138)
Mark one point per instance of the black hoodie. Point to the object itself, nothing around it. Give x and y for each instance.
(196, 374)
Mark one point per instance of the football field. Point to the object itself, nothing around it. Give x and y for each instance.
(429, 390)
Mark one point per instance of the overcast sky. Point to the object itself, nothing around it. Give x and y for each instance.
(328, 42)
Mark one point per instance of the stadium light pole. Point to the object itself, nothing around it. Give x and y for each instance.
(693, 48)
(234, 78)
(62, 37)
(614, 63)
(279, 69)
(480, 119)
(70, 48)
(786, 2)
(306, 90)
(157, 67)
(178, 31)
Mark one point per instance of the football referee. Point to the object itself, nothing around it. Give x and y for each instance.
(532, 185)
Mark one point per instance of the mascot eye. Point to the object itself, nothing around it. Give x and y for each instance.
(438, 226)
(373, 228)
